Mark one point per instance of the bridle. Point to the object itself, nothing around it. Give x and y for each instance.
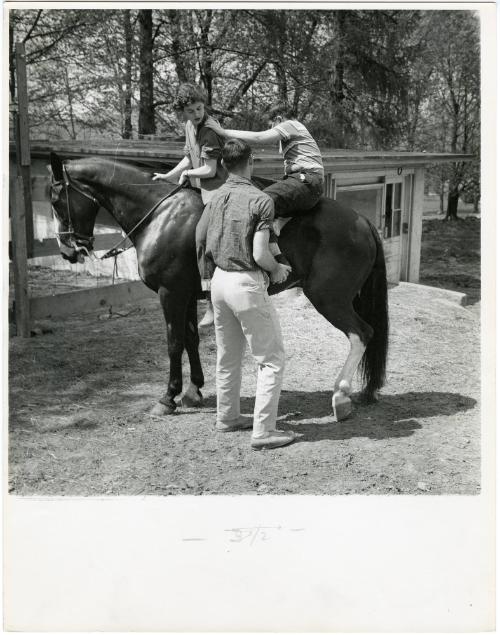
(80, 242)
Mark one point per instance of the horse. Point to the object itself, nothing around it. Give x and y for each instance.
(336, 255)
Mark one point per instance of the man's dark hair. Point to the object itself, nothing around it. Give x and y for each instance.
(235, 153)
(189, 94)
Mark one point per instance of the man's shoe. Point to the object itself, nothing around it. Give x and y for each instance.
(243, 423)
(275, 439)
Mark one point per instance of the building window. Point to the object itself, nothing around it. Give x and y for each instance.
(388, 211)
(392, 221)
(364, 199)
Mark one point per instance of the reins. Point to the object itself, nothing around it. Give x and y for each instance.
(114, 251)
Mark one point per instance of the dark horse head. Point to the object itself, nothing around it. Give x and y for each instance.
(75, 209)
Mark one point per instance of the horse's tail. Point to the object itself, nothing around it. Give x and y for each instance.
(371, 306)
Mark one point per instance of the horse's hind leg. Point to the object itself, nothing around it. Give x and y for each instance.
(174, 307)
(343, 317)
(356, 352)
(193, 396)
(358, 333)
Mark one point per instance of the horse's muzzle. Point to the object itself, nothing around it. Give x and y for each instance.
(71, 254)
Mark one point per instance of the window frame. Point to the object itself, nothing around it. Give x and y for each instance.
(399, 180)
(364, 187)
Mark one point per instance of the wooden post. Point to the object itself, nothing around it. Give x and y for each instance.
(20, 260)
(21, 128)
(415, 229)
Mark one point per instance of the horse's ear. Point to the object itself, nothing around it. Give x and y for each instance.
(57, 166)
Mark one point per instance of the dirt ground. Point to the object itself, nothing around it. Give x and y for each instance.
(80, 398)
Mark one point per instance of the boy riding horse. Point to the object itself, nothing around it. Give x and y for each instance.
(302, 184)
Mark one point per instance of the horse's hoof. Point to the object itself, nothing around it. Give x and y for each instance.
(192, 401)
(207, 320)
(342, 406)
(161, 410)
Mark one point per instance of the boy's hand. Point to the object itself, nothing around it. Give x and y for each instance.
(184, 177)
(216, 127)
(158, 176)
(280, 273)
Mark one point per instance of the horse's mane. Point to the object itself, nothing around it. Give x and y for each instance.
(126, 170)
(132, 171)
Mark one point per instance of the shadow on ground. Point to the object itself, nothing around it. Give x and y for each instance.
(392, 416)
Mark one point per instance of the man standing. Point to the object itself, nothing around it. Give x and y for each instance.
(240, 218)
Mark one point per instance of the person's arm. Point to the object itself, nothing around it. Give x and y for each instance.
(264, 137)
(174, 174)
(206, 171)
(264, 258)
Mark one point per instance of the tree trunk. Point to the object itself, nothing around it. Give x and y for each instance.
(206, 73)
(127, 106)
(146, 104)
(282, 83)
(178, 36)
(206, 52)
(452, 209)
(338, 87)
(442, 186)
(70, 103)
(296, 100)
(12, 64)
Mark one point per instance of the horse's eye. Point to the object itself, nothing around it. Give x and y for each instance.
(55, 192)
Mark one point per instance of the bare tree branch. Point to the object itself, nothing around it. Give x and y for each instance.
(33, 26)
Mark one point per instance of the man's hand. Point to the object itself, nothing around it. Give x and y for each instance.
(280, 273)
(216, 127)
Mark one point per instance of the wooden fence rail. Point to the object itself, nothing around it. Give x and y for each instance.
(88, 300)
(50, 247)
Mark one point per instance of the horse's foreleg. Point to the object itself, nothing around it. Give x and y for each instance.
(193, 396)
(174, 309)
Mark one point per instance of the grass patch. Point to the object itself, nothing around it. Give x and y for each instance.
(451, 256)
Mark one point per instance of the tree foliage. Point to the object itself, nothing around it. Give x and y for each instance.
(365, 79)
